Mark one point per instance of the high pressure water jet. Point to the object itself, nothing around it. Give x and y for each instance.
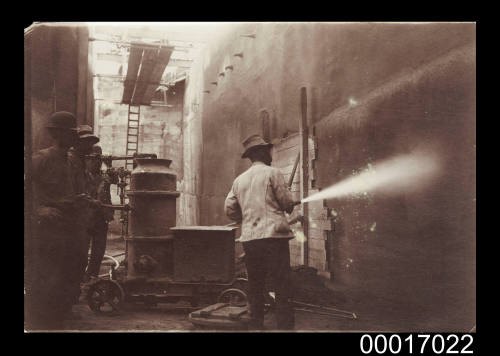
(394, 176)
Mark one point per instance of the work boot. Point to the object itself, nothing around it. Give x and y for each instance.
(256, 324)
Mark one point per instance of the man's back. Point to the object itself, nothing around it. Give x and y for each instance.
(259, 198)
(51, 176)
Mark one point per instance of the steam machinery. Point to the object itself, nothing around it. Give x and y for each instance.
(164, 262)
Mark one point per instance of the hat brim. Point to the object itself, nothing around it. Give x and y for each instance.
(62, 128)
(245, 154)
(93, 138)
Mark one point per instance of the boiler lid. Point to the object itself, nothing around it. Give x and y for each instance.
(204, 228)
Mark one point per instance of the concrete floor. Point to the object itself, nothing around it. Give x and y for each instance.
(165, 319)
(175, 317)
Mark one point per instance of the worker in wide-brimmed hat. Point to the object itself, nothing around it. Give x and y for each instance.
(98, 188)
(258, 200)
(83, 184)
(82, 148)
(54, 201)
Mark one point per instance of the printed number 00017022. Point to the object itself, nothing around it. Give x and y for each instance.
(438, 344)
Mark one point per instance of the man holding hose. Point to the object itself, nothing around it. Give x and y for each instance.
(258, 200)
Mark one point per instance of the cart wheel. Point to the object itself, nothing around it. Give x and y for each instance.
(105, 297)
(234, 297)
(241, 284)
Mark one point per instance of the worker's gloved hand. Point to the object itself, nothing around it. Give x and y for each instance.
(109, 215)
(48, 214)
(84, 197)
(96, 203)
(291, 206)
(298, 218)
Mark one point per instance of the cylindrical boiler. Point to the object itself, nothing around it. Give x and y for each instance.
(152, 198)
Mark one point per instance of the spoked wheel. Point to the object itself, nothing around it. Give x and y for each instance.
(234, 297)
(241, 284)
(105, 297)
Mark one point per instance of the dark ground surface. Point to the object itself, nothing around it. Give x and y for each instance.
(312, 289)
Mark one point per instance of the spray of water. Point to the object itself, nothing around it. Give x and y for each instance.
(396, 175)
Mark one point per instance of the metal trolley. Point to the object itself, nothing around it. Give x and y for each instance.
(164, 263)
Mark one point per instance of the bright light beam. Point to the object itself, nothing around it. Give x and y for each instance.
(396, 175)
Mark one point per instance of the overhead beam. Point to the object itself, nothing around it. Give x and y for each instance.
(166, 33)
(185, 63)
(121, 78)
(109, 57)
(145, 43)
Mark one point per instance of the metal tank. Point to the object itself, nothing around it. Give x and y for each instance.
(165, 263)
(152, 199)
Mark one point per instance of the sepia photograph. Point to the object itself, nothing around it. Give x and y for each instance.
(251, 177)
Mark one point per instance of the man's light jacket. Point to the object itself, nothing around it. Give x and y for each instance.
(258, 199)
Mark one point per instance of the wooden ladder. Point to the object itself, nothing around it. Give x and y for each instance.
(134, 115)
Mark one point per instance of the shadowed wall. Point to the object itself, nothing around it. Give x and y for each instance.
(378, 90)
(61, 77)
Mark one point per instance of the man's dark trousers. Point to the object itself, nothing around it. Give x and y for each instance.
(98, 234)
(269, 258)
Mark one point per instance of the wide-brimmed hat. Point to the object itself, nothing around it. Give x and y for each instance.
(86, 132)
(253, 141)
(62, 120)
(96, 151)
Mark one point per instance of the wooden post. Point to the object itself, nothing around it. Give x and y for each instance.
(83, 62)
(265, 125)
(28, 207)
(304, 179)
